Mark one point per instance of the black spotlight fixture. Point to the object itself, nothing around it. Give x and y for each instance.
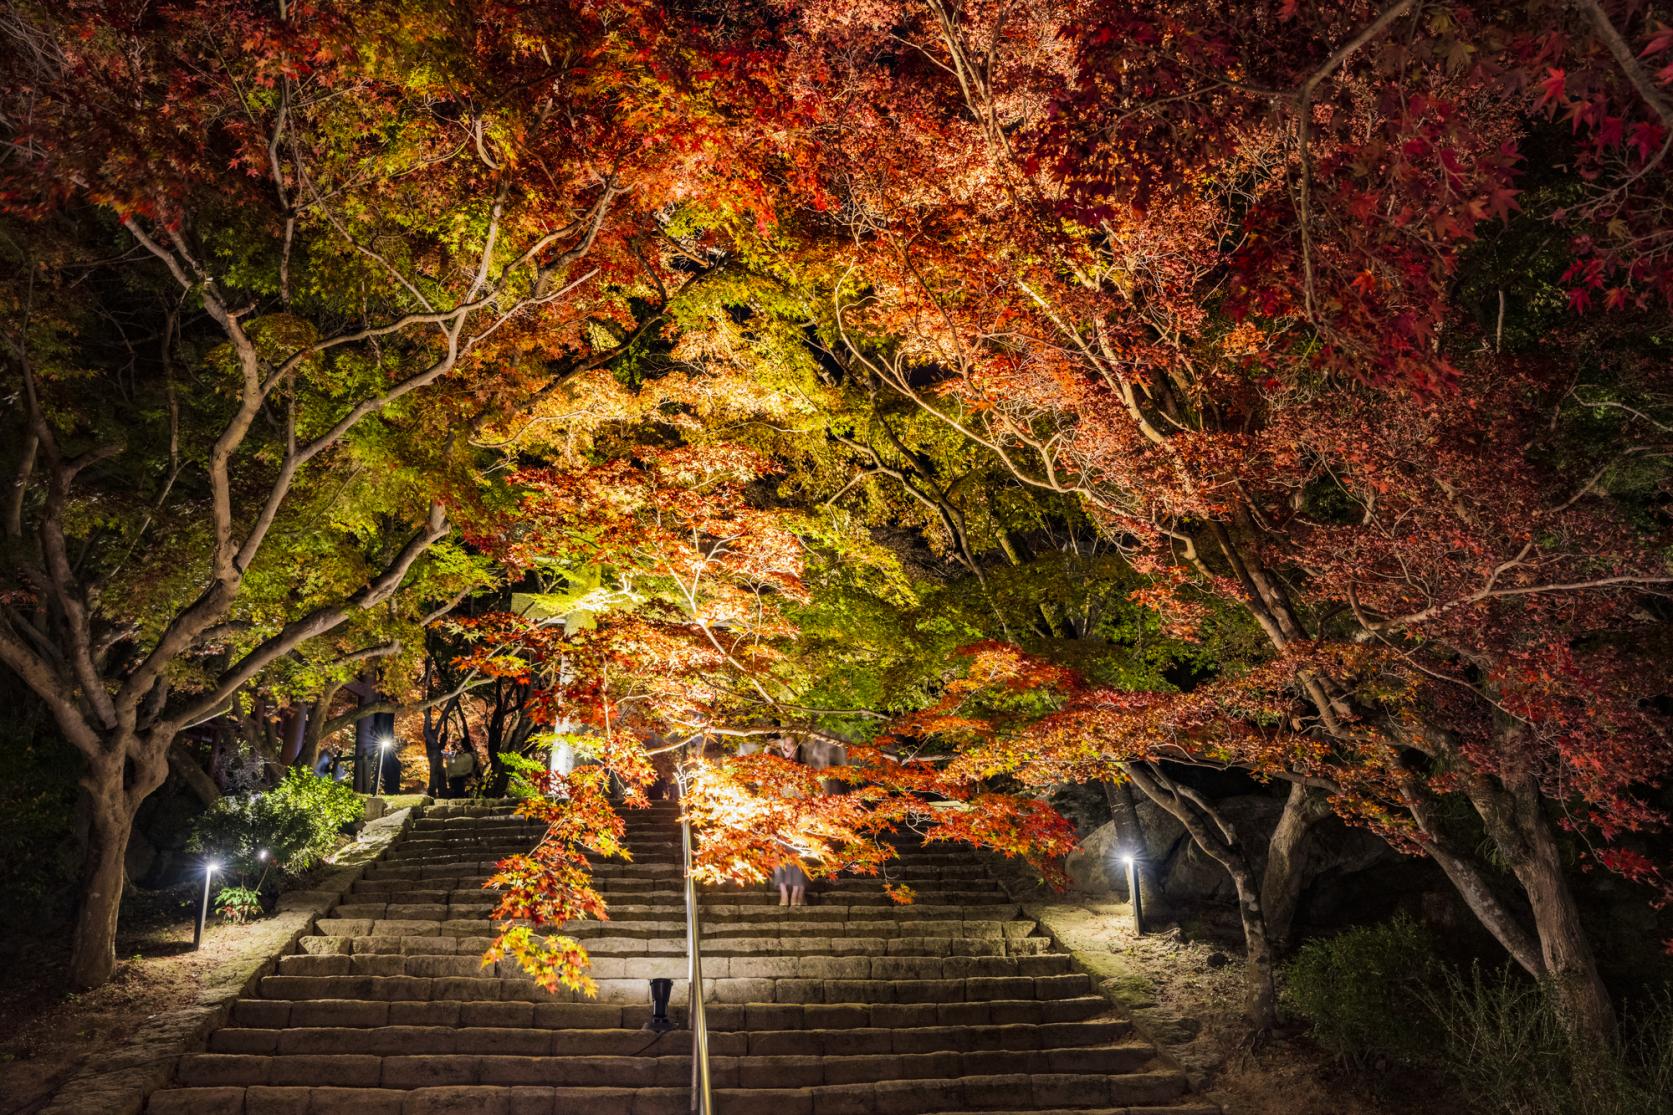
(661, 989)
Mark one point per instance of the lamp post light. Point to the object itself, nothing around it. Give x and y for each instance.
(1133, 891)
(209, 869)
(383, 757)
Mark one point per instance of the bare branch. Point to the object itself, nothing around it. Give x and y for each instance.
(321, 620)
(1622, 53)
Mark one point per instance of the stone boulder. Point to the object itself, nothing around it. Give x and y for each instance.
(1336, 850)
(1097, 866)
(1093, 866)
(1194, 876)
(1184, 873)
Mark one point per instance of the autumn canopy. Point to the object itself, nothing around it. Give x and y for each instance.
(1005, 396)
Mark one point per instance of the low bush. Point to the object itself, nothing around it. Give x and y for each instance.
(1377, 994)
(1361, 991)
(1502, 1037)
(238, 905)
(296, 823)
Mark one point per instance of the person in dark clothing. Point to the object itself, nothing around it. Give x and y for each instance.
(330, 765)
(460, 767)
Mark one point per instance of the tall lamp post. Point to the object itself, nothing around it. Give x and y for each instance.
(1133, 890)
(383, 757)
(209, 869)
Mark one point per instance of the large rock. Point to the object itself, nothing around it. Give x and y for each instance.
(1335, 850)
(1193, 876)
(1338, 849)
(1092, 867)
(1097, 867)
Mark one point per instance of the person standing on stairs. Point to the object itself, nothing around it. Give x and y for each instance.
(460, 767)
(791, 882)
(788, 876)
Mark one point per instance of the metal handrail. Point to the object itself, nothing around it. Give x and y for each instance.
(702, 1101)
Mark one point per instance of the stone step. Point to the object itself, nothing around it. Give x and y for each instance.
(640, 840)
(714, 965)
(444, 851)
(655, 904)
(719, 989)
(507, 807)
(731, 908)
(1182, 1107)
(465, 852)
(645, 1070)
(926, 891)
(848, 1006)
(531, 1041)
(1128, 1092)
(712, 946)
(479, 869)
(766, 916)
(667, 927)
(595, 1015)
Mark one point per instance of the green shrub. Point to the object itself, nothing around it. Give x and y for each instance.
(295, 823)
(1361, 991)
(1503, 1038)
(1378, 993)
(238, 905)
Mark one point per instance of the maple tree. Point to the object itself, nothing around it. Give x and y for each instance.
(297, 221)
(1288, 381)
(1197, 270)
(667, 635)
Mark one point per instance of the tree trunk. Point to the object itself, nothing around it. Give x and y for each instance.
(436, 735)
(1563, 946)
(93, 945)
(1218, 839)
(1261, 988)
(1286, 861)
(1124, 814)
(1513, 813)
(1473, 885)
(196, 779)
(313, 728)
(296, 732)
(1567, 953)
(113, 787)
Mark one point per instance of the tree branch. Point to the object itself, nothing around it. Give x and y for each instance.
(321, 620)
(1622, 53)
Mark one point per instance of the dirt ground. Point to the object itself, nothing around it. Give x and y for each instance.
(46, 1034)
(1184, 987)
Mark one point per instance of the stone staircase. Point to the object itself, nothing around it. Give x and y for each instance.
(848, 1006)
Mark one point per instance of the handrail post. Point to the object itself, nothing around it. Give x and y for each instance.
(701, 1099)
